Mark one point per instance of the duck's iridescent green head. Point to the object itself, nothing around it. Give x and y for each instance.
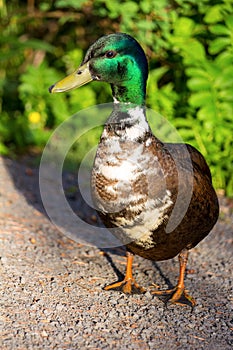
(117, 59)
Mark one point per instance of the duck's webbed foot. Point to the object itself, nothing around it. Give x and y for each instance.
(128, 285)
(176, 295)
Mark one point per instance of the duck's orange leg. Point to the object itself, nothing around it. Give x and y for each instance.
(179, 292)
(128, 285)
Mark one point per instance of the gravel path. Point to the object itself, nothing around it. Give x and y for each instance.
(51, 287)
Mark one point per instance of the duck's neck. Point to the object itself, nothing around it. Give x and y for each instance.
(133, 90)
(128, 121)
(129, 94)
(128, 118)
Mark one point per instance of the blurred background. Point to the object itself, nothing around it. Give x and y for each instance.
(189, 45)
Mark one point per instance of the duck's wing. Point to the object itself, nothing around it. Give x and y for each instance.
(199, 161)
(188, 155)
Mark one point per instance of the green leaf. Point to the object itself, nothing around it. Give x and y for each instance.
(156, 74)
(196, 72)
(219, 29)
(229, 22)
(212, 69)
(128, 9)
(227, 95)
(224, 59)
(184, 27)
(70, 3)
(183, 122)
(197, 84)
(227, 112)
(145, 25)
(225, 79)
(191, 49)
(146, 6)
(194, 51)
(3, 149)
(218, 45)
(214, 14)
(113, 8)
(200, 99)
(207, 113)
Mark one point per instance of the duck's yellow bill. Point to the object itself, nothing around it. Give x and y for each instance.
(80, 77)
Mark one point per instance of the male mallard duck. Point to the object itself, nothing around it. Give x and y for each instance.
(136, 177)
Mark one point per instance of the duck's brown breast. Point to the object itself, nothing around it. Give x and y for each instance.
(130, 189)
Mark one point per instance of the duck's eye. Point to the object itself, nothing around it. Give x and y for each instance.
(110, 54)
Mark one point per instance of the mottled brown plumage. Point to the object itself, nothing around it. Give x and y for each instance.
(201, 213)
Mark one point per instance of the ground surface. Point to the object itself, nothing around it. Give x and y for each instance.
(51, 287)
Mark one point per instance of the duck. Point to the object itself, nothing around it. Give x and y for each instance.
(139, 183)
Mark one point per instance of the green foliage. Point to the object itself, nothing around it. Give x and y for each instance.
(189, 44)
(70, 3)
